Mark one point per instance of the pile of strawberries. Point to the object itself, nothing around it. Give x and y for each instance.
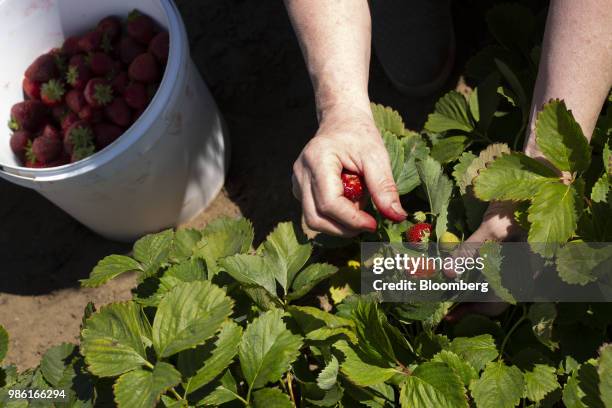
(83, 96)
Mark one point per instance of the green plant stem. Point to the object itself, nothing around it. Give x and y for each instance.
(176, 394)
(149, 365)
(290, 388)
(512, 329)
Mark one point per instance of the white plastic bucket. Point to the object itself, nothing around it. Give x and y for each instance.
(166, 168)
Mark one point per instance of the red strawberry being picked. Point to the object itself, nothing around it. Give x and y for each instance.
(98, 93)
(419, 232)
(353, 186)
(52, 93)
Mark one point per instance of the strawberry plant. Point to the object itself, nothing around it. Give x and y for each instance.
(216, 321)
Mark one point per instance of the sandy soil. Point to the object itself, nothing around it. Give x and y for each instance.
(249, 56)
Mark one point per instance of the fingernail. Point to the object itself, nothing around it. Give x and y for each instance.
(397, 208)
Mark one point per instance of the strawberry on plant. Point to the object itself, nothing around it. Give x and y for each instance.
(110, 27)
(75, 100)
(31, 88)
(91, 41)
(78, 75)
(449, 241)
(140, 27)
(42, 69)
(46, 149)
(29, 115)
(159, 46)
(19, 143)
(52, 93)
(101, 64)
(129, 49)
(105, 134)
(136, 95)
(353, 185)
(144, 68)
(419, 232)
(98, 92)
(119, 112)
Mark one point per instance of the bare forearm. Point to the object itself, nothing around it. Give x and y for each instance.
(576, 62)
(335, 40)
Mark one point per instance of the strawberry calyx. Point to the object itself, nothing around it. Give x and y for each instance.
(13, 124)
(82, 140)
(103, 94)
(53, 90)
(29, 153)
(72, 76)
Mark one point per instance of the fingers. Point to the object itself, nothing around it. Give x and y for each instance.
(380, 183)
(325, 209)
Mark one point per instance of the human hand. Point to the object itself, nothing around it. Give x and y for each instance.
(347, 139)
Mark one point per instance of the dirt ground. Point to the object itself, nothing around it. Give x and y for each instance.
(250, 58)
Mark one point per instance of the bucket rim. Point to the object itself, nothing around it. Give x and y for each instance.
(176, 57)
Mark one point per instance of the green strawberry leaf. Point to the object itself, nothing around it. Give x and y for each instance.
(462, 368)
(109, 268)
(188, 316)
(415, 147)
(252, 270)
(4, 341)
(492, 261)
(310, 277)
(607, 159)
(553, 216)
(226, 391)
(113, 340)
(203, 364)
(449, 149)
(288, 251)
(499, 386)
(224, 237)
(438, 188)
(184, 244)
(450, 113)
(572, 393)
(328, 377)
(470, 171)
(540, 381)
(461, 167)
(513, 177)
(388, 120)
(560, 138)
(359, 370)
(599, 193)
(318, 325)
(55, 361)
(604, 369)
(372, 331)
(143, 389)
(433, 384)
(542, 317)
(152, 251)
(271, 398)
(267, 349)
(477, 351)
